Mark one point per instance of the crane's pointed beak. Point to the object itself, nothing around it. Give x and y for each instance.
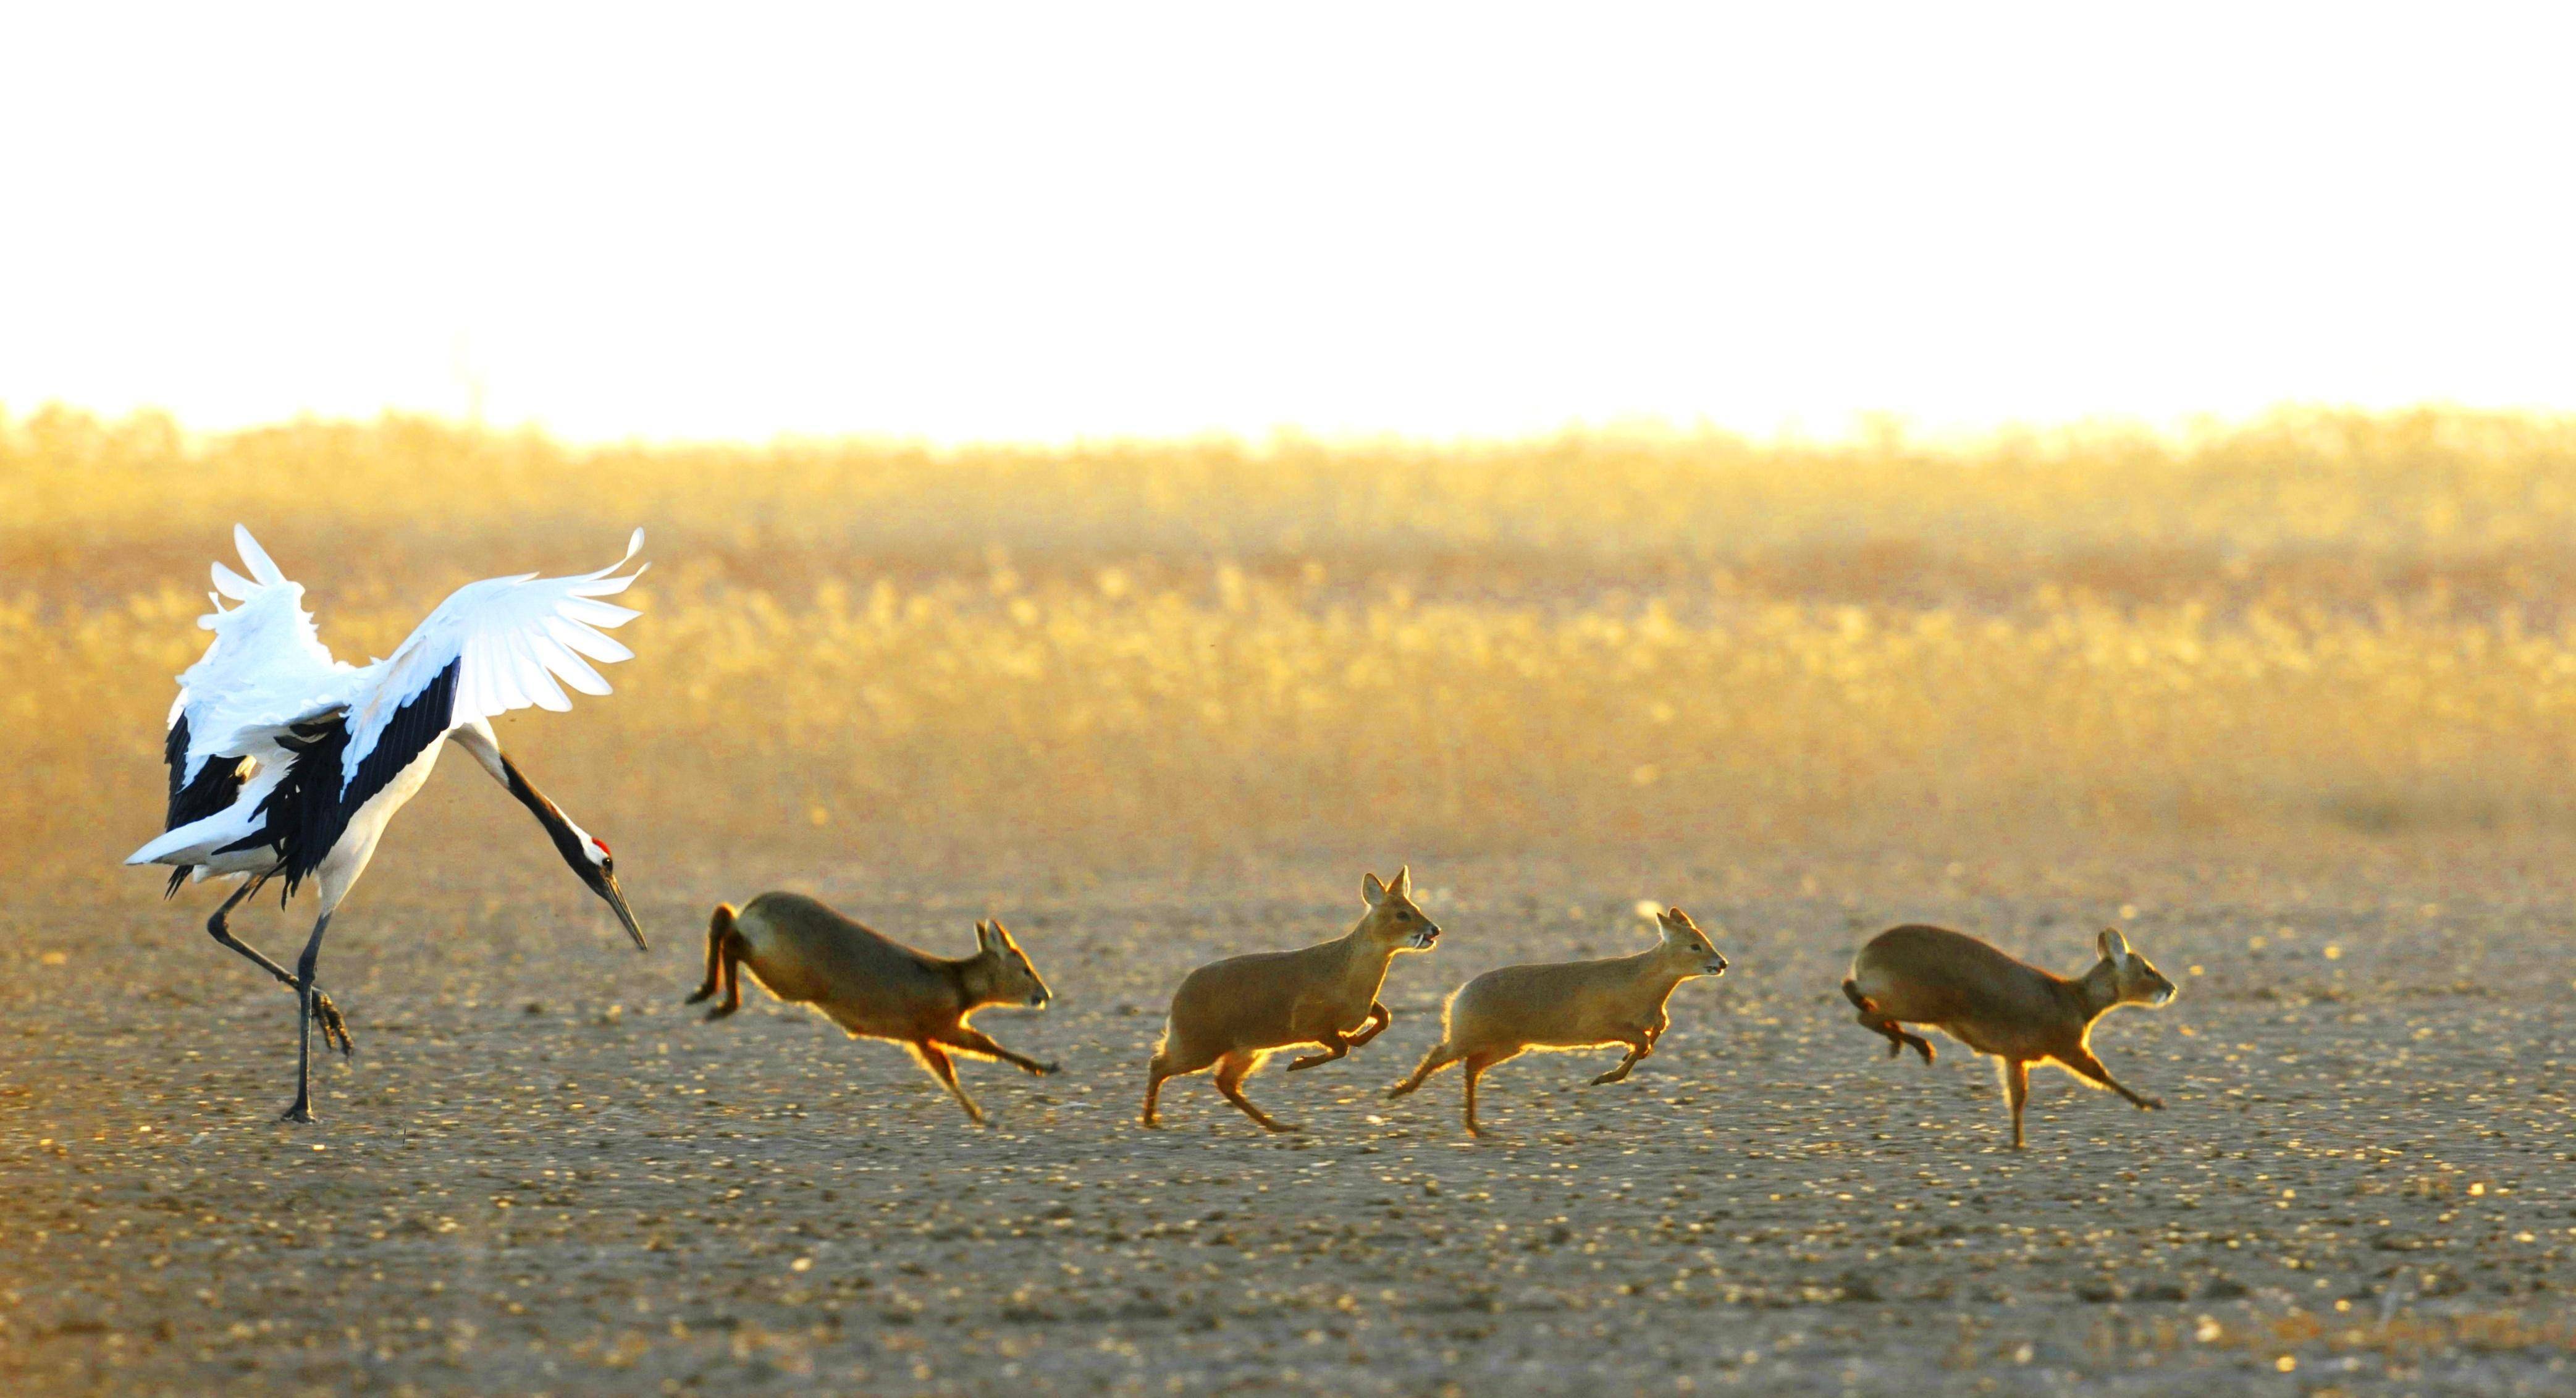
(616, 897)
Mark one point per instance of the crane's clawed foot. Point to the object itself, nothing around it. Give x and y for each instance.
(335, 1030)
(300, 1111)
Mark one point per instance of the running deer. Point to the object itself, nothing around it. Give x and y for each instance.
(1235, 1013)
(872, 986)
(2000, 1006)
(1561, 1005)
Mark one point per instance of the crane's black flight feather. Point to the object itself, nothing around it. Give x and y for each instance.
(215, 787)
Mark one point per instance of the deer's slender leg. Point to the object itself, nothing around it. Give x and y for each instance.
(940, 1068)
(1636, 1051)
(972, 1040)
(1477, 1063)
(1440, 1056)
(2085, 1064)
(2017, 1091)
(719, 931)
(1154, 1076)
(1231, 1070)
(1335, 1046)
(1166, 1065)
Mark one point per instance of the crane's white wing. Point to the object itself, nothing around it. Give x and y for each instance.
(493, 646)
(265, 669)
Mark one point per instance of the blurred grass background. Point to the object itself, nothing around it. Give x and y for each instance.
(1130, 654)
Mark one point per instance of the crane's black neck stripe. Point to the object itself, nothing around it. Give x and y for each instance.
(559, 829)
(309, 811)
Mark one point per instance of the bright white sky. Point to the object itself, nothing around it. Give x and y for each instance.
(1065, 219)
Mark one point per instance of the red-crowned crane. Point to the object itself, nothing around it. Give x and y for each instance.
(286, 763)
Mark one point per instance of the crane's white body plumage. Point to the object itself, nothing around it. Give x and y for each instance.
(510, 639)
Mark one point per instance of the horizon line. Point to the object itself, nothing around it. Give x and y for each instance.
(1882, 429)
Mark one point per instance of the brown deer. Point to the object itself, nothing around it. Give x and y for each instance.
(1560, 1005)
(1998, 1005)
(872, 986)
(1235, 1013)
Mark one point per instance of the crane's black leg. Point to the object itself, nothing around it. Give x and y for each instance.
(302, 1109)
(333, 1027)
(217, 928)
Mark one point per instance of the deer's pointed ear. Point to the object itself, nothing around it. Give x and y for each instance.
(1002, 936)
(984, 938)
(1403, 885)
(2114, 946)
(1371, 891)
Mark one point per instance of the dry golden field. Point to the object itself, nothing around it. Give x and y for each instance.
(1211, 651)
(2294, 701)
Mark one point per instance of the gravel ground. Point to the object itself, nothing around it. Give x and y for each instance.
(543, 1174)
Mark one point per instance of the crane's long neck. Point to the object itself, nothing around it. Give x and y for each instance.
(569, 838)
(587, 857)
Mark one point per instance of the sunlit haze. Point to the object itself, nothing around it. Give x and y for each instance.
(1053, 221)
